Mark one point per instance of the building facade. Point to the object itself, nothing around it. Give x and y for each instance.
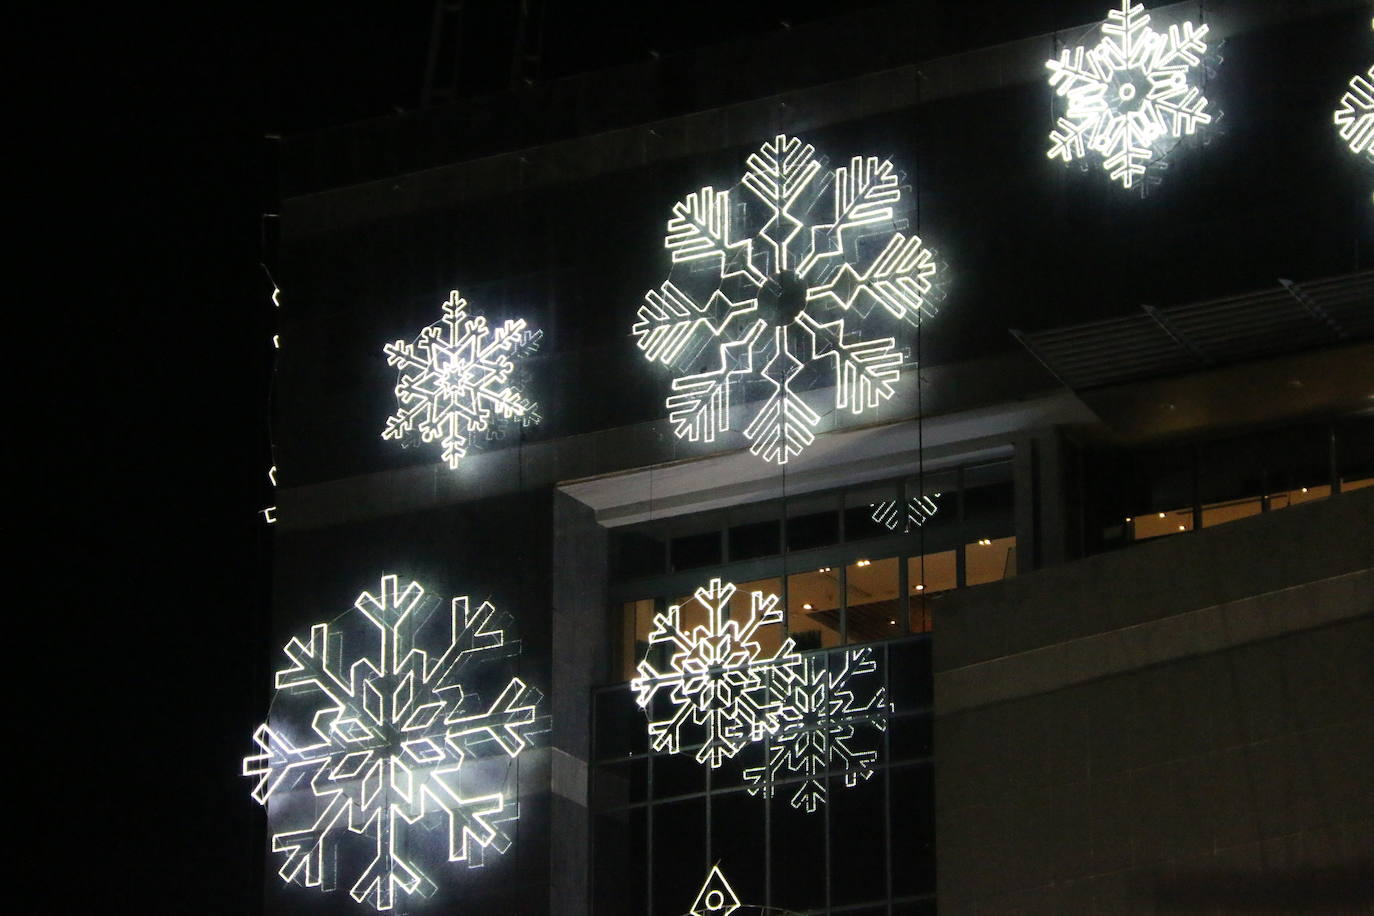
(1044, 583)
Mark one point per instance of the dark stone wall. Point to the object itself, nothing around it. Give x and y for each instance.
(1187, 726)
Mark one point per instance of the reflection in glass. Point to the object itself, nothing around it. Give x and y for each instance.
(872, 605)
(813, 608)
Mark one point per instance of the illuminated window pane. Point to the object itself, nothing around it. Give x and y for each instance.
(989, 559)
(1348, 485)
(927, 577)
(813, 608)
(1161, 524)
(1298, 496)
(637, 618)
(873, 605)
(1221, 513)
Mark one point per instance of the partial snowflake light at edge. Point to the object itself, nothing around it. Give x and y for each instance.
(1129, 97)
(1355, 116)
(775, 285)
(384, 751)
(458, 378)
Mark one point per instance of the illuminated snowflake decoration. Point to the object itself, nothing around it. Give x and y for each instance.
(819, 716)
(919, 510)
(458, 379)
(361, 764)
(714, 678)
(1129, 99)
(775, 289)
(1355, 117)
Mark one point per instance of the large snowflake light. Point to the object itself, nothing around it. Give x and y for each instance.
(714, 678)
(777, 286)
(819, 715)
(1355, 116)
(459, 378)
(1129, 98)
(361, 762)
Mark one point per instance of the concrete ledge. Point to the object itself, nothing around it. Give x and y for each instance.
(1197, 632)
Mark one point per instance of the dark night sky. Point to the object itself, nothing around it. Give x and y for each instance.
(158, 308)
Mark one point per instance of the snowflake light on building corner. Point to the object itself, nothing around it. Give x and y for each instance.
(819, 718)
(391, 764)
(460, 378)
(1355, 116)
(714, 678)
(780, 285)
(1129, 99)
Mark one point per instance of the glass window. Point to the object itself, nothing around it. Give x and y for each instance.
(1159, 524)
(872, 600)
(813, 521)
(756, 539)
(638, 553)
(637, 619)
(927, 577)
(1355, 453)
(932, 505)
(770, 637)
(989, 559)
(696, 550)
(872, 511)
(813, 608)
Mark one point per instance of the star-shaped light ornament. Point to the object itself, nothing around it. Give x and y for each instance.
(1132, 97)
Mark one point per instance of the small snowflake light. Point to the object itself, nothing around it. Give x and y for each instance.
(714, 679)
(1129, 97)
(458, 378)
(392, 745)
(919, 510)
(780, 285)
(1355, 117)
(818, 717)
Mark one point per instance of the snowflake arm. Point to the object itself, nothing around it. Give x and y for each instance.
(1355, 116)
(899, 280)
(784, 426)
(778, 174)
(865, 192)
(866, 370)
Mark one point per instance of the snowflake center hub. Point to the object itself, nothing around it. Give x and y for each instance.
(783, 299)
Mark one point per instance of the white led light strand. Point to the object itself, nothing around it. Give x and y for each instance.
(819, 715)
(383, 743)
(777, 286)
(1129, 98)
(459, 378)
(1355, 116)
(714, 679)
(716, 897)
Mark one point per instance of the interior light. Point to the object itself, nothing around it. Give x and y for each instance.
(864, 563)
(920, 588)
(1161, 515)
(1304, 489)
(1128, 519)
(807, 607)
(1181, 528)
